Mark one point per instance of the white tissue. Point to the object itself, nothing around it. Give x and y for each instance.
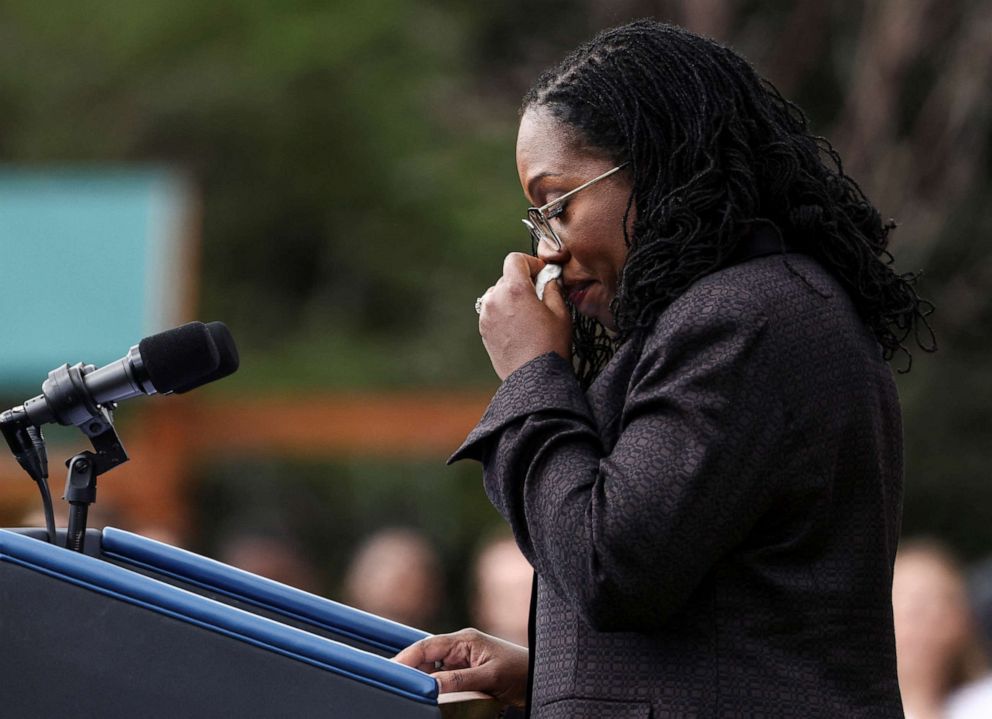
(548, 272)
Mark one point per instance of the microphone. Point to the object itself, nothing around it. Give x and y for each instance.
(227, 357)
(174, 361)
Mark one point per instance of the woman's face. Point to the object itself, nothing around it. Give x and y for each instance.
(931, 612)
(552, 160)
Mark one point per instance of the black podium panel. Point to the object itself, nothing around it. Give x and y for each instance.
(82, 637)
(114, 659)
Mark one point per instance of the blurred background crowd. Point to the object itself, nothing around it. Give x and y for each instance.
(350, 189)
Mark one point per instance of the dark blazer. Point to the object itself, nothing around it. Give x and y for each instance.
(713, 524)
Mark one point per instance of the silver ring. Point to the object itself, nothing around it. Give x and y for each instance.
(478, 306)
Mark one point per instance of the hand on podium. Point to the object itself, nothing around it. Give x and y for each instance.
(468, 660)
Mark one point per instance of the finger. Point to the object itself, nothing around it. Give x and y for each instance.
(422, 655)
(413, 656)
(554, 298)
(473, 679)
(517, 265)
(482, 301)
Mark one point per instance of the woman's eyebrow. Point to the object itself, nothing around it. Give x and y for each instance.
(537, 178)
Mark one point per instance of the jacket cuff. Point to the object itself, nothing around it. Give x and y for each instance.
(545, 384)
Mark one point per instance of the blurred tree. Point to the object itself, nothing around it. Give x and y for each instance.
(335, 212)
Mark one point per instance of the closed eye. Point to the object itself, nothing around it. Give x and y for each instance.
(555, 210)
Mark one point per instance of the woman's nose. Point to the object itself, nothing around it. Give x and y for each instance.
(547, 251)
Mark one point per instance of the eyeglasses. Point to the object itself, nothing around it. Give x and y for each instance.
(538, 218)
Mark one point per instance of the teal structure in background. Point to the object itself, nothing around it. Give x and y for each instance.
(91, 261)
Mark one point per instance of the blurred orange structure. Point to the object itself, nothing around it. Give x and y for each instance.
(180, 431)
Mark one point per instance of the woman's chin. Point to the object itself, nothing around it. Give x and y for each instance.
(594, 302)
(601, 314)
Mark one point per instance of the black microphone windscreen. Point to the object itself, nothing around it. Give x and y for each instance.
(227, 352)
(179, 357)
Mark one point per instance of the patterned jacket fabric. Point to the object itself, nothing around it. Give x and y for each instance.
(713, 523)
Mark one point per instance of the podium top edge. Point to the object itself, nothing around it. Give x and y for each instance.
(271, 595)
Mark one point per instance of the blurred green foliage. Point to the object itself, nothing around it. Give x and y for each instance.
(351, 211)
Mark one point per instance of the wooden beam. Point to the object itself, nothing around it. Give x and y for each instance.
(172, 434)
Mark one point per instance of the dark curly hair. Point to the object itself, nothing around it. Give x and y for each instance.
(713, 148)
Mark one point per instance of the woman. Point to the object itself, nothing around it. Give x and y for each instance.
(697, 438)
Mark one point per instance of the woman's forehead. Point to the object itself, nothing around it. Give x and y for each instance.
(542, 138)
(546, 146)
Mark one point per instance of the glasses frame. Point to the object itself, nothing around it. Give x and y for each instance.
(538, 218)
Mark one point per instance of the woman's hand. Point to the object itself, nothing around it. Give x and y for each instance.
(472, 661)
(515, 326)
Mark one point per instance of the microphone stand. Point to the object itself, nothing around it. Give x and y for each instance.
(85, 467)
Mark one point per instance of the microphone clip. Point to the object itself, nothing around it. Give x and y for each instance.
(85, 467)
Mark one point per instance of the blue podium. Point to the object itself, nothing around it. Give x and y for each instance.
(138, 628)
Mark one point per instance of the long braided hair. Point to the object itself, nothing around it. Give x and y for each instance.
(713, 148)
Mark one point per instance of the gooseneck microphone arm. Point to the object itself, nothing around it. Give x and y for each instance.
(27, 443)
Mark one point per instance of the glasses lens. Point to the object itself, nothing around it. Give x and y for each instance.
(535, 236)
(541, 231)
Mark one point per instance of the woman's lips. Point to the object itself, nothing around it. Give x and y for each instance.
(591, 298)
(577, 293)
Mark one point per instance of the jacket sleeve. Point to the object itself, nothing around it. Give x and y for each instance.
(626, 535)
